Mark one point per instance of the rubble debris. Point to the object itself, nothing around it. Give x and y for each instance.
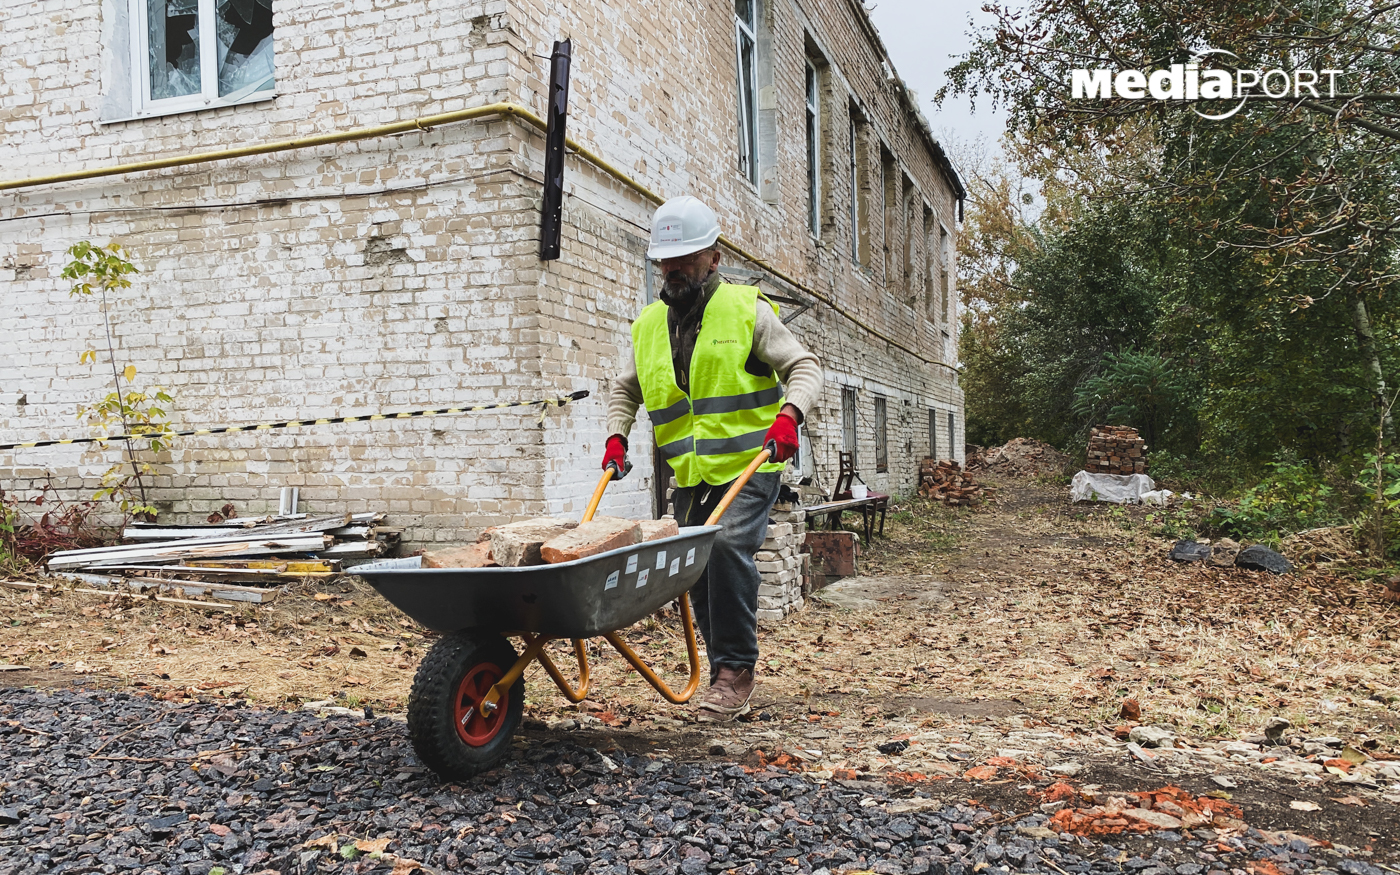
(945, 482)
(1116, 449)
(1022, 457)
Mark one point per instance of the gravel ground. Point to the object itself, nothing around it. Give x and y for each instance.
(100, 781)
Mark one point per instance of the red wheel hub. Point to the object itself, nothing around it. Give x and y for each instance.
(475, 727)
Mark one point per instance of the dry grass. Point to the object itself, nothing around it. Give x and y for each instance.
(1055, 610)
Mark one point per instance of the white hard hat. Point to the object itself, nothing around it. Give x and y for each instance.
(681, 226)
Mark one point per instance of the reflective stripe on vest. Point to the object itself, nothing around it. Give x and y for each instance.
(713, 433)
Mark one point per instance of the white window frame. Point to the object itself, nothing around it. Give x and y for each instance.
(142, 105)
(814, 154)
(746, 60)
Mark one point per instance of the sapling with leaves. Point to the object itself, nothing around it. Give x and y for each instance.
(126, 410)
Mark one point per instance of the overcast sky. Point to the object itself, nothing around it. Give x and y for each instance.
(923, 39)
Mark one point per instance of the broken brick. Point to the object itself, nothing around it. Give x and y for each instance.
(655, 530)
(476, 555)
(516, 544)
(591, 538)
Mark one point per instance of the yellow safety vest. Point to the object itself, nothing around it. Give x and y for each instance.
(714, 432)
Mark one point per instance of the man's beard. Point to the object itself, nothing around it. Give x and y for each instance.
(680, 290)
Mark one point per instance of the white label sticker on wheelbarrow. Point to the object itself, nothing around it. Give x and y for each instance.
(612, 580)
(642, 578)
(675, 565)
(660, 560)
(690, 556)
(632, 563)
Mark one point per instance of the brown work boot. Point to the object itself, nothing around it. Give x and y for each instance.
(728, 696)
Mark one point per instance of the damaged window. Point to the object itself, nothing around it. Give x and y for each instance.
(174, 42)
(202, 52)
(244, 31)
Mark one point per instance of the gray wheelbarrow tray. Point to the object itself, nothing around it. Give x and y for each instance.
(580, 599)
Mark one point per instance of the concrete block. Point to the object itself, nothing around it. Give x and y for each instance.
(599, 535)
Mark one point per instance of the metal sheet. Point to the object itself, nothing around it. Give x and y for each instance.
(578, 599)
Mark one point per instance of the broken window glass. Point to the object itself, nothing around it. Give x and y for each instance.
(173, 26)
(244, 32)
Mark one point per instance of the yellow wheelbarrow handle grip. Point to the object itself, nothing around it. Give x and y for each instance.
(734, 490)
(598, 494)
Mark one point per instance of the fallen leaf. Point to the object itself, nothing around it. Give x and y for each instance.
(1300, 805)
(1349, 800)
(323, 596)
(352, 680)
(326, 841)
(372, 846)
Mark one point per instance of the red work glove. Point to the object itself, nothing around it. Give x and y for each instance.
(615, 456)
(781, 439)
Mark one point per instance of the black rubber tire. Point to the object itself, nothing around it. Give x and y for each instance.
(432, 710)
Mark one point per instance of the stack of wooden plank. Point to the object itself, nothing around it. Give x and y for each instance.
(1116, 449)
(946, 482)
(239, 559)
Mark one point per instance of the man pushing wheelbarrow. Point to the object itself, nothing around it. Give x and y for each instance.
(711, 360)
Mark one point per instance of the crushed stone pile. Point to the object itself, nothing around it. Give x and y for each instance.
(1022, 457)
(99, 781)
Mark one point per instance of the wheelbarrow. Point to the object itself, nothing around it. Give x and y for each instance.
(468, 697)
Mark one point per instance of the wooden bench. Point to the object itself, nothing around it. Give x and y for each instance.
(841, 501)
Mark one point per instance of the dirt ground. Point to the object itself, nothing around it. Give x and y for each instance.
(1023, 625)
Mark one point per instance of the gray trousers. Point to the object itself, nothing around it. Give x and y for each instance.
(726, 595)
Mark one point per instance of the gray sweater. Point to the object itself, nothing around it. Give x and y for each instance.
(773, 344)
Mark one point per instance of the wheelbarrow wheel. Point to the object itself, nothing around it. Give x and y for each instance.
(451, 733)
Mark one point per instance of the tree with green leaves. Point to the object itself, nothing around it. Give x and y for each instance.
(1267, 239)
(128, 410)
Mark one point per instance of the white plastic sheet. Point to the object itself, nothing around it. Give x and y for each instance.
(1116, 488)
(1156, 496)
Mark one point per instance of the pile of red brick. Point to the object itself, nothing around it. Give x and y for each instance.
(946, 482)
(1116, 449)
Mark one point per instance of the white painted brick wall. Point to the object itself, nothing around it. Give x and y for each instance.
(402, 273)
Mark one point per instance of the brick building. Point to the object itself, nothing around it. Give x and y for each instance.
(400, 272)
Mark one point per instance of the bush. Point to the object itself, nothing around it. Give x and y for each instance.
(1292, 497)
